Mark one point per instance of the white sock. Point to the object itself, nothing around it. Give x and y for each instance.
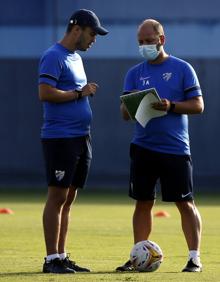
(51, 257)
(62, 256)
(195, 255)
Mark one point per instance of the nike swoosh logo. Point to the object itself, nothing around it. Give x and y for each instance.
(185, 195)
(143, 78)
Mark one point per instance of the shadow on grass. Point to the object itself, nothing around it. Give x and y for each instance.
(27, 274)
(11, 274)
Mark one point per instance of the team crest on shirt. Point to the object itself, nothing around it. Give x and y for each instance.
(145, 80)
(59, 174)
(167, 76)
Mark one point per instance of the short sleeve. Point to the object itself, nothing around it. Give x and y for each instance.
(49, 69)
(129, 81)
(191, 83)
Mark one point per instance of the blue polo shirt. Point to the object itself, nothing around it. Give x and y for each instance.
(175, 80)
(64, 70)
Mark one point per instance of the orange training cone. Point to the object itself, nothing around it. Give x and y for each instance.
(161, 214)
(6, 211)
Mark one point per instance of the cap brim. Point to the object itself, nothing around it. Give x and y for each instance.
(101, 30)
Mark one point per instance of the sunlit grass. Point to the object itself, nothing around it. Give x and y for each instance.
(100, 237)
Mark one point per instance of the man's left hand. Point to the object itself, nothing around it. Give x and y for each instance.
(163, 105)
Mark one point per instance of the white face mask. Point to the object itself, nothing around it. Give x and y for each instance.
(149, 52)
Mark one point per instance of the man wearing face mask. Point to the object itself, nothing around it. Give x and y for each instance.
(65, 134)
(161, 151)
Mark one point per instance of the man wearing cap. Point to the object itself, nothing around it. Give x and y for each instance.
(65, 133)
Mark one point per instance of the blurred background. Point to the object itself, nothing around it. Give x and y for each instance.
(28, 27)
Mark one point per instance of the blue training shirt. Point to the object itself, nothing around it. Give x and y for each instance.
(64, 70)
(175, 80)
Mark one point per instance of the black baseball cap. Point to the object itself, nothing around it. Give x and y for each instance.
(85, 17)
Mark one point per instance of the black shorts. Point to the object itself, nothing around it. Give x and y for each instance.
(173, 171)
(67, 161)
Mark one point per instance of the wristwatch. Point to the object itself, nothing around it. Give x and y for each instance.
(172, 107)
(79, 92)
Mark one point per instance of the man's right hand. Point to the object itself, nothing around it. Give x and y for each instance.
(124, 112)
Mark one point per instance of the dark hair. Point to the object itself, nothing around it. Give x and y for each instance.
(70, 26)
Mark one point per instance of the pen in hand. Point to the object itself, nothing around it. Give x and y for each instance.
(90, 89)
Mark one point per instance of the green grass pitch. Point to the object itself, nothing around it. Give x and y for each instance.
(100, 237)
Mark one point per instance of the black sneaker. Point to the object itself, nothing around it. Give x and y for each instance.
(72, 265)
(192, 266)
(56, 266)
(125, 267)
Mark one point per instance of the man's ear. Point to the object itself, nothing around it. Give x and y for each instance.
(162, 40)
(76, 29)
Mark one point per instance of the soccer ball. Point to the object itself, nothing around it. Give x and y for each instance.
(146, 256)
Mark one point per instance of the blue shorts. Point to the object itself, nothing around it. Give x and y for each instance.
(67, 161)
(173, 171)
